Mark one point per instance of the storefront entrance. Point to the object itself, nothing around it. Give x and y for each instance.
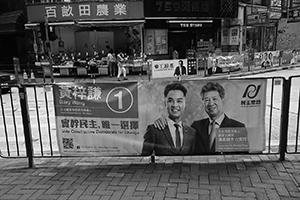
(181, 41)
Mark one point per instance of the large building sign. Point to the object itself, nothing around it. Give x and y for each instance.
(294, 15)
(191, 8)
(86, 10)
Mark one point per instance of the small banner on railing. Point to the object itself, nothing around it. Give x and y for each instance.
(169, 68)
(267, 59)
(116, 119)
(227, 63)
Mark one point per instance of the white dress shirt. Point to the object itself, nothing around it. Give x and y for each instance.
(173, 129)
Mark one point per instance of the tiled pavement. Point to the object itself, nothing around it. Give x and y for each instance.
(223, 177)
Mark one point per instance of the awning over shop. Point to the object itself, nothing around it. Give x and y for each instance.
(110, 22)
(106, 23)
(12, 22)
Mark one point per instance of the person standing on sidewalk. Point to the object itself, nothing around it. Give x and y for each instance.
(111, 58)
(121, 59)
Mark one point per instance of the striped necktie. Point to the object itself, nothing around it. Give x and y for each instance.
(178, 140)
(212, 136)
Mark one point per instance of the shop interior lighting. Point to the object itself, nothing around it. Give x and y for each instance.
(189, 21)
(111, 22)
(61, 23)
(31, 25)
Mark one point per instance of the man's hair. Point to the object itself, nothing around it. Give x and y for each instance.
(210, 86)
(180, 61)
(175, 86)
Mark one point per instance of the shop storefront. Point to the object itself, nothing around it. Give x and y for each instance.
(83, 30)
(185, 29)
(262, 23)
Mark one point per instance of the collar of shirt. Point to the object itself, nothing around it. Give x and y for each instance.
(218, 122)
(173, 129)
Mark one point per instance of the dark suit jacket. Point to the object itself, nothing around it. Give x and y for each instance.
(218, 70)
(177, 71)
(161, 142)
(202, 135)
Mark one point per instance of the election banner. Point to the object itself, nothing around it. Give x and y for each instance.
(96, 119)
(267, 58)
(228, 63)
(116, 119)
(287, 57)
(168, 68)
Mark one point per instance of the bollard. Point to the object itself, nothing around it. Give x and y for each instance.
(25, 77)
(284, 118)
(32, 77)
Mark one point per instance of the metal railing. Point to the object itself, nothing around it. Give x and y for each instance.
(27, 127)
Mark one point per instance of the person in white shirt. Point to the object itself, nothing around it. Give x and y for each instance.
(121, 59)
(111, 58)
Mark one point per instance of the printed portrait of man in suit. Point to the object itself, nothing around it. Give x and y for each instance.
(213, 95)
(180, 70)
(176, 138)
(214, 69)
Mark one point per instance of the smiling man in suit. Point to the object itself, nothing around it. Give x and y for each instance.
(175, 138)
(180, 70)
(213, 95)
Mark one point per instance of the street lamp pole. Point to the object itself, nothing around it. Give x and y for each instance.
(48, 49)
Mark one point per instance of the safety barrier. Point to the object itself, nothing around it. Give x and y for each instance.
(28, 128)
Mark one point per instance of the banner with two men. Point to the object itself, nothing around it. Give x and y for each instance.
(192, 117)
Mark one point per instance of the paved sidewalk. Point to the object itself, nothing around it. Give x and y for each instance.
(144, 77)
(221, 177)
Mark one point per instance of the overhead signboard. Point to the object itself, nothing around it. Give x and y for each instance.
(255, 19)
(294, 15)
(85, 11)
(191, 8)
(254, 9)
(275, 13)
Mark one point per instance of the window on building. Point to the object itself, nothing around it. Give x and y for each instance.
(156, 41)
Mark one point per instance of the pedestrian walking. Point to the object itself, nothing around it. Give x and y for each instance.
(121, 59)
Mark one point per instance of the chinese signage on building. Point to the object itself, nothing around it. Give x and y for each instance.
(294, 15)
(179, 8)
(85, 10)
(191, 8)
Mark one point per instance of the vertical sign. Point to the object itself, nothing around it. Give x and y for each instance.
(225, 37)
(234, 36)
